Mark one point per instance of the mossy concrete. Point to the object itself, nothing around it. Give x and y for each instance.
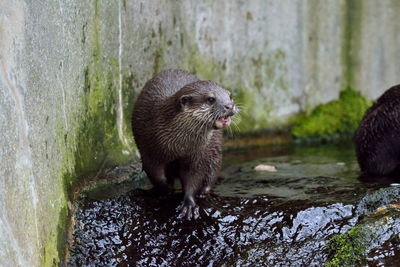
(338, 118)
(74, 97)
(351, 42)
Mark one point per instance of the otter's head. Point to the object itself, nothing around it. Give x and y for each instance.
(207, 103)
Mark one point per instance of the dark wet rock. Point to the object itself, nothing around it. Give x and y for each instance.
(381, 198)
(388, 254)
(278, 218)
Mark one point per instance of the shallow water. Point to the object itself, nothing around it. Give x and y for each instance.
(253, 218)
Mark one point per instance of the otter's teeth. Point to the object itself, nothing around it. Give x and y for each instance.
(221, 123)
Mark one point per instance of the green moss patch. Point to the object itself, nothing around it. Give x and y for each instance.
(335, 119)
(346, 249)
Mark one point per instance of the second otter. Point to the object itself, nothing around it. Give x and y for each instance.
(177, 124)
(378, 136)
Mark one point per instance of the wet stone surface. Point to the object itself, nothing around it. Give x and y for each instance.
(387, 255)
(277, 218)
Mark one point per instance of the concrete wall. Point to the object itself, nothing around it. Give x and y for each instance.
(69, 72)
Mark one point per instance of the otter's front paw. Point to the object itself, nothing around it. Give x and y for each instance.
(189, 210)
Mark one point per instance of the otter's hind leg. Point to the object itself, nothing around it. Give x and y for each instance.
(210, 177)
(172, 172)
(212, 160)
(156, 173)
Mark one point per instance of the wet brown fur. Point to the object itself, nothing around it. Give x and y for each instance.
(378, 136)
(173, 128)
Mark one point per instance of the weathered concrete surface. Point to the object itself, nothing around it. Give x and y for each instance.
(69, 70)
(378, 52)
(59, 76)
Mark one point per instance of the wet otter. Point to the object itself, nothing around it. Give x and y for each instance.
(177, 124)
(378, 136)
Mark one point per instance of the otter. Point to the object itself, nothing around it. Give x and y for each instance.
(377, 139)
(177, 124)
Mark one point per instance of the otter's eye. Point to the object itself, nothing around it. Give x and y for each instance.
(211, 100)
(185, 99)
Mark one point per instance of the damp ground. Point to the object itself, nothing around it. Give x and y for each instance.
(253, 218)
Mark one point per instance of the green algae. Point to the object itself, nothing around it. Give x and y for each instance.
(253, 117)
(199, 65)
(93, 140)
(346, 249)
(158, 59)
(98, 142)
(254, 102)
(53, 251)
(335, 119)
(351, 42)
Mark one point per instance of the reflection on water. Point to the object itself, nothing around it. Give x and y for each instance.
(270, 218)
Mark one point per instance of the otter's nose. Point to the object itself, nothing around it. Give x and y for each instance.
(230, 109)
(229, 106)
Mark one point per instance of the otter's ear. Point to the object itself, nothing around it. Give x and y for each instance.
(185, 99)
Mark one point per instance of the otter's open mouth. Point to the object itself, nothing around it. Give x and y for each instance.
(221, 123)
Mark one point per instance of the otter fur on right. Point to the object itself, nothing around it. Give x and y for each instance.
(177, 124)
(378, 136)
